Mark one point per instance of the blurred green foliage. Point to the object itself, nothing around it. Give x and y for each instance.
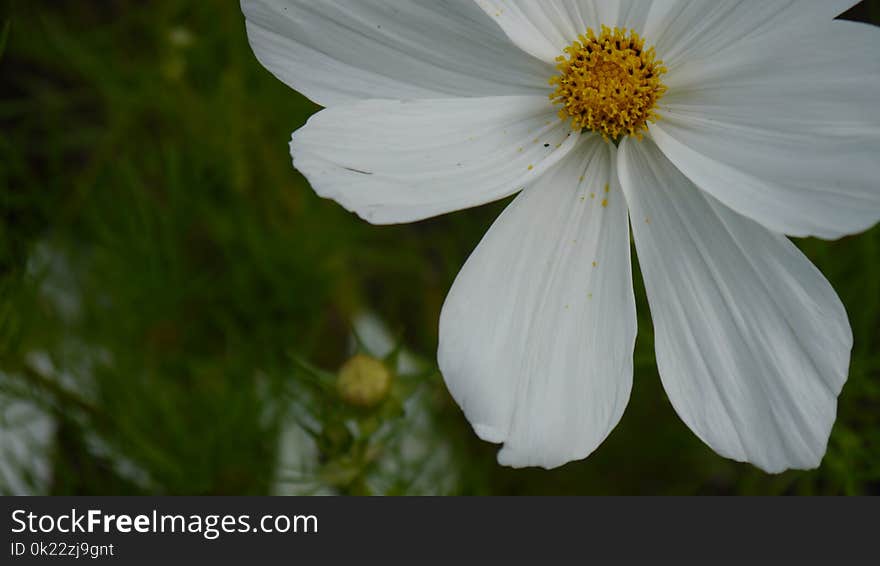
(173, 295)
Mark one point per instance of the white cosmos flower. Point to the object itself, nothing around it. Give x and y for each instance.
(760, 122)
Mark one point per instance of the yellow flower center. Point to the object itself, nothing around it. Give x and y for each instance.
(609, 84)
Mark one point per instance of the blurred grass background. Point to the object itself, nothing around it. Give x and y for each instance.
(174, 299)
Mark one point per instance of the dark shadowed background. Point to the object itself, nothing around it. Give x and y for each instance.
(175, 301)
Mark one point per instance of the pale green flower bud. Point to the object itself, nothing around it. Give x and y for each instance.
(364, 381)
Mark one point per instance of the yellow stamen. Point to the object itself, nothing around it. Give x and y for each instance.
(609, 84)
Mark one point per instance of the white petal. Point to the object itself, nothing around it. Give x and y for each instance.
(537, 334)
(753, 345)
(337, 51)
(789, 138)
(687, 30)
(392, 161)
(680, 29)
(543, 29)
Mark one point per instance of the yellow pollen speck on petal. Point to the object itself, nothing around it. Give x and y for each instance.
(605, 203)
(531, 167)
(582, 179)
(609, 83)
(607, 188)
(592, 195)
(595, 264)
